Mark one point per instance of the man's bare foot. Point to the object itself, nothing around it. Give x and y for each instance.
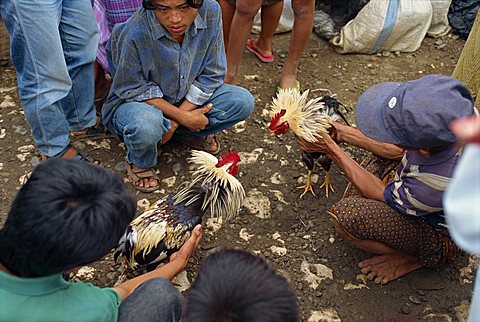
(144, 180)
(289, 81)
(385, 268)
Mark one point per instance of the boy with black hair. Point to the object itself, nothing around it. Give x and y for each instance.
(168, 67)
(236, 286)
(69, 214)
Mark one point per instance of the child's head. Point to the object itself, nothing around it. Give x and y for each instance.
(175, 15)
(414, 114)
(236, 286)
(68, 214)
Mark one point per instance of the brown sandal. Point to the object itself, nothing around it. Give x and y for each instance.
(143, 174)
(207, 143)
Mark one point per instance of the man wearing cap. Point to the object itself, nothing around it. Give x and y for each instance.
(393, 204)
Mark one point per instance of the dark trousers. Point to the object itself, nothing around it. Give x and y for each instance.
(155, 300)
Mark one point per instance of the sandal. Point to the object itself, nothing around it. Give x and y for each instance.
(98, 131)
(71, 153)
(207, 143)
(251, 47)
(142, 174)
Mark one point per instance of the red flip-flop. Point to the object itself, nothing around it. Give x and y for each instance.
(250, 46)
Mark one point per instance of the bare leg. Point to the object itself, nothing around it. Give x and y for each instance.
(388, 266)
(239, 31)
(270, 17)
(228, 10)
(302, 28)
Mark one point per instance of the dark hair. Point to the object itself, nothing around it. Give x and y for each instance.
(151, 5)
(69, 213)
(237, 286)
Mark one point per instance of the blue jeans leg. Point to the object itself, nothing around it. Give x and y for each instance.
(141, 126)
(53, 45)
(231, 104)
(155, 300)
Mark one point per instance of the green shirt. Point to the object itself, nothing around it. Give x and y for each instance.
(53, 299)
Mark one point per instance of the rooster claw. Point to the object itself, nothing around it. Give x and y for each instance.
(307, 188)
(328, 186)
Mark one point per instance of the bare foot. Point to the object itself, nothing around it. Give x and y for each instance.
(288, 81)
(385, 268)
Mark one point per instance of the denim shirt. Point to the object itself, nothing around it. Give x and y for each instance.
(146, 62)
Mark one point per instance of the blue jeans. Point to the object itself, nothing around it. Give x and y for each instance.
(155, 300)
(53, 45)
(141, 126)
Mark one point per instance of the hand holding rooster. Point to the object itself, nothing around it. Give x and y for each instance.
(181, 258)
(324, 145)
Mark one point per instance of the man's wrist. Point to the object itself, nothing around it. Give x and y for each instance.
(338, 130)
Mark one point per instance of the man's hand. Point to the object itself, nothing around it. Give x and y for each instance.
(322, 145)
(467, 129)
(183, 255)
(196, 120)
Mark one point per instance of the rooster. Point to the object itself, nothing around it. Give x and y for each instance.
(167, 224)
(307, 119)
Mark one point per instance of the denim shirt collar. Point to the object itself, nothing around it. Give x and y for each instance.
(159, 31)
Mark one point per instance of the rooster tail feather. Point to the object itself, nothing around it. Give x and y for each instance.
(124, 245)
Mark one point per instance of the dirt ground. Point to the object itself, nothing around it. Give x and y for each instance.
(295, 235)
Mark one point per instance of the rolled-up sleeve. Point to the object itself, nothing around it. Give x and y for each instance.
(214, 68)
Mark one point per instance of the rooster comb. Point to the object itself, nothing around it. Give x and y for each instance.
(229, 157)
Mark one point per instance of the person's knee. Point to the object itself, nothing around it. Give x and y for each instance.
(344, 221)
(244, 102)
(154, 300)
(246, 10)
(168, 296)
(303, 8)
(144, 133)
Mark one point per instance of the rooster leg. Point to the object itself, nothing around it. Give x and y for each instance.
(308, 186)
(327, 184)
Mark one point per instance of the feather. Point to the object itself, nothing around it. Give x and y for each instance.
(307, 119)
(167, 224)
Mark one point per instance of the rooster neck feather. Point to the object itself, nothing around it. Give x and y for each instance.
(307, 119)
(225, 193)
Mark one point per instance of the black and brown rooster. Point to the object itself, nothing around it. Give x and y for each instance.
(307, 119)
(165, 227)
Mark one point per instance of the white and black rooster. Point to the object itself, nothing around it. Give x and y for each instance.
(167, 224)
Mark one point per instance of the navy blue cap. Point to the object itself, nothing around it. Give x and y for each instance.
(414, 114)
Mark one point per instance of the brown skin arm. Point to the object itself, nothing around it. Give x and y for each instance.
(187, 114)
(353, 136)
(178, 262)
(368, 184)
